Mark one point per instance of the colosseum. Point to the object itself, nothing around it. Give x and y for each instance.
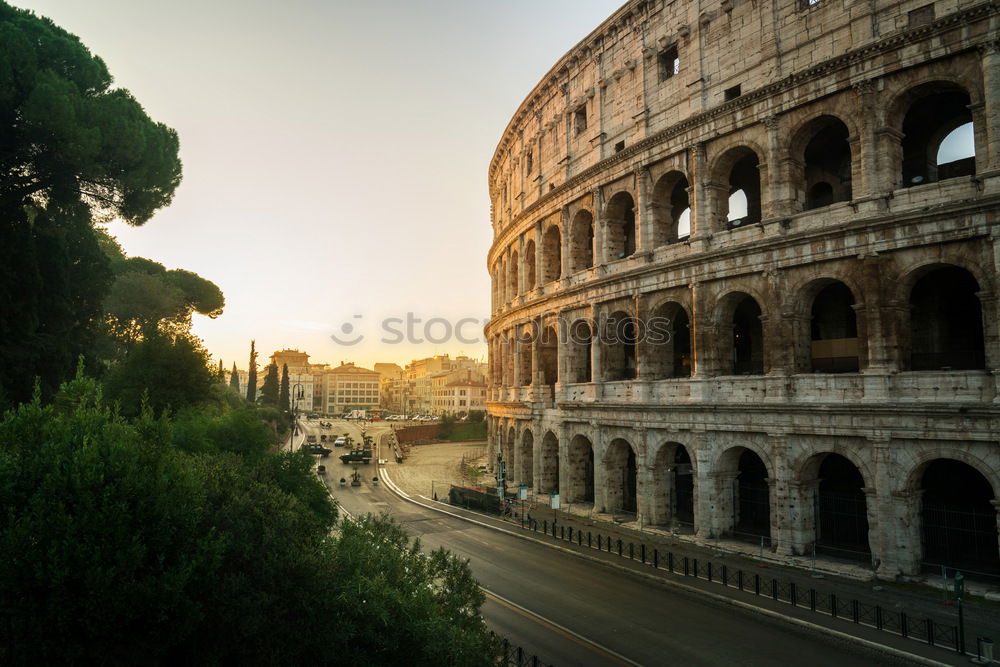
(745, 270)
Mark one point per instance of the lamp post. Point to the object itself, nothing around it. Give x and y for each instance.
(297, 393)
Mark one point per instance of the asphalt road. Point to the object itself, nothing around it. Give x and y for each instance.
(571, 611)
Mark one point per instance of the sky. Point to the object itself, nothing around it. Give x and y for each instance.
(335, 157)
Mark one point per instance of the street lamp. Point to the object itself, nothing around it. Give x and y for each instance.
(297, 393)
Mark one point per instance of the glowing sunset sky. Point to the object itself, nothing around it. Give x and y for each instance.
(335, 155)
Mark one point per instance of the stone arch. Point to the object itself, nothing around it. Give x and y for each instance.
(741, 334)
(621, 474)
(580, 341)
(512, 269)
(673, 494)
(826, 337)
(619, 227)
(581, 241)
(525, 354)
(549, 464)
(735, 171)
(581, 470)
(551, 255)
(925, 113)
(619, 338)
(957, 513)
(666, 345)
(836, 510)
(821, 152)
(529, 266)
(548, 350)
(671, 209)
(525, 458)
(744, 493)
(944, 323)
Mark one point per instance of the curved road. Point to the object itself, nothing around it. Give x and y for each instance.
(625, 619)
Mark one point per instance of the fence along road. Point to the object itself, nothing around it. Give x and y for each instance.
(644, 620)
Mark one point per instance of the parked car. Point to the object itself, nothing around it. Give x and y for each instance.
(340, 442)
(313, 448)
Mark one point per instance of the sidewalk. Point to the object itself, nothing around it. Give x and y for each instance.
(878, 602)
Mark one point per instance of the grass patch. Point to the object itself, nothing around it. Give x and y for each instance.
(474, 431)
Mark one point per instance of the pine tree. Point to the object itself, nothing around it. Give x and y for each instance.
(252, 373)
(234, 379)
(283, 402)
(269, 390)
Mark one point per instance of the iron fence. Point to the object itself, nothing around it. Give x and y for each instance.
(884, 618)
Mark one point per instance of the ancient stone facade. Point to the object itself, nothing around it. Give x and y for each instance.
(744, 283)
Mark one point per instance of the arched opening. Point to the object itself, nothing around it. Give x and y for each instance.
(621, 477)
(946, 322)
(827, 159)
(507, 452)
(504, 282)
(619, 229)
(512, 270)
(549, 356)
(841, 510)
(526, 458)
(959, 521)
(743, 206)
(671, 209)
(748, 338)
(752, 506)
(581, 242)
(667, 343)
(551, 255)
(928, 121)
(549, 469)
(683, 500)
(529, 266)
(581, 470)
(834, 331)
(580, 342)
(525, 368)
(620, 339)
(957, 152)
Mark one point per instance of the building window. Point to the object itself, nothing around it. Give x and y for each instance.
(580, 119)
(670, 64)
(731, 93)
(620, 146)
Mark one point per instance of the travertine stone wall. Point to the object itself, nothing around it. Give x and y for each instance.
(836, 335)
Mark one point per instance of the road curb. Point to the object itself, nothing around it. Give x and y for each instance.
(869, 645)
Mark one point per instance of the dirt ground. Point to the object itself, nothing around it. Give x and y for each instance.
(432, 469)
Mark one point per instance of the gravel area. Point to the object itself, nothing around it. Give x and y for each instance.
(431, 469)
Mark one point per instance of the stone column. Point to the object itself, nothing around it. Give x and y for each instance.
(702, 332)
(600, 445)
(597, 350)
(565, 243)
(563, 456)
(720, 512)
(781, 193)
(539, 258)
(864, 170)
(697, 195)
(782, 504)
(801, 512)
(644, 237)
(908, 520)
(599, 223)
(990, 55)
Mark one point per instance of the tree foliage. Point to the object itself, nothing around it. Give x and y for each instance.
(72, 150)
(234, 378)
(270, 390)
(67, 136)
(252, 374)
(167, 372)
(283, 396)
(157, 541)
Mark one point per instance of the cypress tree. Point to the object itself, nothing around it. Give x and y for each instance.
(234, 379)
(220, 375)
(252, 373)
(283, 402)
(269, 390)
